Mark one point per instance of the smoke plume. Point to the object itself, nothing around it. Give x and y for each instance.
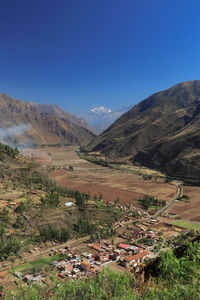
(9, 135)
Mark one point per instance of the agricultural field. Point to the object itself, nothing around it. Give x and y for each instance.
(127, 185)
(97, 179)
(188, 210)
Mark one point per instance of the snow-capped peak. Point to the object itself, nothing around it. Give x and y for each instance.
(101, 109)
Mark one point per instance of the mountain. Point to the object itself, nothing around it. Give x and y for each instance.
(27, 124)
(160, 132)
(56, 111)
(100, 118)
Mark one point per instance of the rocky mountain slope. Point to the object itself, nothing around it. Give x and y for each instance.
(56, 111)
(100, 118)
(160, 132)
(23, 123)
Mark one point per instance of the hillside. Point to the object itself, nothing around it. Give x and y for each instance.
(33, 210)
(57, 112)
(23, 123)
(160, 132)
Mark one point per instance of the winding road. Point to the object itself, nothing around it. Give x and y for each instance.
(171, 203)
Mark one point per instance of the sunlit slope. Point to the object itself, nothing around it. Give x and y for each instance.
(38, 126)
(160, 132)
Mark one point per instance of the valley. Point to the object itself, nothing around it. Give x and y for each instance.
(99, 150)
(87, 176)
(105, 224)
(112, 183)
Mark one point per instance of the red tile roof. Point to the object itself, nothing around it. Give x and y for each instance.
(137, 256)
(123, 246)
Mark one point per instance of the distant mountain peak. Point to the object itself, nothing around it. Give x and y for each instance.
(160, 132)
(100, 118)
(100, 109)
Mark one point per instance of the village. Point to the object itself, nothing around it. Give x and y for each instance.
(132, 248)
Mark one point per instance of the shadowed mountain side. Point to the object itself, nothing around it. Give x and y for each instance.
(161, 132)
(44, 128)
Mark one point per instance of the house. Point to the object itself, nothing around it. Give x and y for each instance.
(33, 192)
(68, 267)
(37, 278)
(62, 275)
(137, 258)
(68, 204)
(85, 265)
(95, 247)
(123, 246)
(114, 256)
(75, 271)
(27, 278)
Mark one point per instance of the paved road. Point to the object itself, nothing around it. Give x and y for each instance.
(171, 203)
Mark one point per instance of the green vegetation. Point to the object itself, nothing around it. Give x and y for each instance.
(147, 176)
(84, 227)
(8, 150)
(191, 181)
(51, 234)
(5, 215)
(51, 199)
(147, 201)
(183, 198)
(186, 225)
(178, 278)
(37, 264)
(71, 168)
(8, 246)
(168, 179)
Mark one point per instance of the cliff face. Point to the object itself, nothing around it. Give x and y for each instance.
(36, 126)
(161, 132)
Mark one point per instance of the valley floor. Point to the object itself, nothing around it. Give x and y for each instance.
(97, 179)
(87, 176)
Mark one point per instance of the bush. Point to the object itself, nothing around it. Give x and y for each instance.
(49, 234)
(8, 246)
(84, 227)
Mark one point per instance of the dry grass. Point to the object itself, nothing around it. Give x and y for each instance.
(188, 210)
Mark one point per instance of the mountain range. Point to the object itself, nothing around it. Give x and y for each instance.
(100, 118)
(161, 132)
(28, 124)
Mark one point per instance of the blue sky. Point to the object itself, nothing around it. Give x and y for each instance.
(85, 53)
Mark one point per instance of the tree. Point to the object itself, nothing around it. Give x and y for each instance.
(117, 200)
(51, 199)
(100, 197)
(5, 215)
(19, 222)
(146, 202)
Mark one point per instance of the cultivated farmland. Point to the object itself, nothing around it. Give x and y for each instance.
(97, 179)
